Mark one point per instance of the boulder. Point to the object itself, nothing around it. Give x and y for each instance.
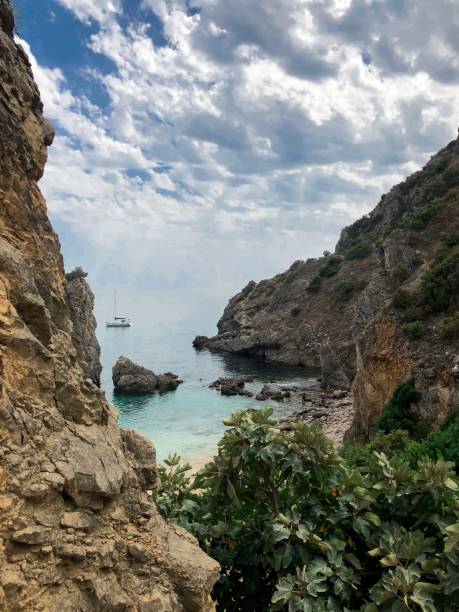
(129, 377)
(231, 386)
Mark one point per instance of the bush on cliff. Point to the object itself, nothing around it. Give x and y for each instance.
(359, 250)
(391, 444)
(442, 444)
(398, 413)
(295, 528)
(77, 272)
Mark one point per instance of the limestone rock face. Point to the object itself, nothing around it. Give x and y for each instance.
(74, 511)
(129, 377)
(345, 322)
(81, 303)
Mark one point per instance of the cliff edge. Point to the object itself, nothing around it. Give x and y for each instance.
(81, 303)
(379, 310)
(77, 528)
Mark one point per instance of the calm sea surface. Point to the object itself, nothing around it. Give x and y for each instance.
(188, 420)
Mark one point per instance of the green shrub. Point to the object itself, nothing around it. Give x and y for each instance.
(440, 284)
(294, 528)
(442, 444)
(314, 284)
(398, 414)
(359, 250)
(77, 272)
(330, 267)
(452, 240)
(450, 328)
(420, 217)
(361, 455)
(439, 165)
(413, 330)
(345, 289)
(412, 314)
(451, 176)
(403, 298)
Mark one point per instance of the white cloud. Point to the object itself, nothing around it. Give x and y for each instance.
(263, 125)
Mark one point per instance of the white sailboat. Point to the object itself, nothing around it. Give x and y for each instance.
(119, 321)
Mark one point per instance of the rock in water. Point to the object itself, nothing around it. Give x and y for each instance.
(129, 377)
(78, 530)
(81, 303)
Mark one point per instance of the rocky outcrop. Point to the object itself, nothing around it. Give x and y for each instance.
(129, 377)
(337, 312)
(231, 386)
(81, 304)
(78, 529)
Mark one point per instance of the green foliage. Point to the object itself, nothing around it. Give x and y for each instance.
(398, 414)
(418, 218)
(439, 164)
(414, 330)
(442, 444)
(295, 528)
(403, 299)
(77, 272)
(450, 328)
(440, 284)
(361, 455)
(345, 289)
(359, 250)
(174, 486)
(315, 284)
(329, 268)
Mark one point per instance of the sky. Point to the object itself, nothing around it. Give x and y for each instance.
(201, 144)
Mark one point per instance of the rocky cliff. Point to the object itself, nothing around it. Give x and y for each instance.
(81, 304)
(378, 310)
(77, 528)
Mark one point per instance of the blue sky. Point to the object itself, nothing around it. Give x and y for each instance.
(204, 143)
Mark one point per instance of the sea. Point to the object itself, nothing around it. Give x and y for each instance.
(187, 421)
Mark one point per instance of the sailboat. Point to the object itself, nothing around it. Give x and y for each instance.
(119, 321)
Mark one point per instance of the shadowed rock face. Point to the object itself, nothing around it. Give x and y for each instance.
(336, 312)
(81, 303)
(77, 528)
(129, 377)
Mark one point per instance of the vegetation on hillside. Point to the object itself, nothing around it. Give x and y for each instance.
(296, 527)
(77, 272)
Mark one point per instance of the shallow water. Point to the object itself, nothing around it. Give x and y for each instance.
(188, 420)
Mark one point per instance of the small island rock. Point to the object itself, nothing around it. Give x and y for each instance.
(129, 377)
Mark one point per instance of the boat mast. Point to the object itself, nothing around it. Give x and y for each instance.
(115, 303)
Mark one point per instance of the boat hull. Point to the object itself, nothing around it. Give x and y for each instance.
(119, 324)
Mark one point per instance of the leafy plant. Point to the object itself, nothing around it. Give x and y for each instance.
(295, 528)
(329, 268)
(440, 284)
(442, 444)
(359, 250)
(77, 272)
(361, 455)
(345, 289)
(403, 298)
(420, 217)
(398, 413)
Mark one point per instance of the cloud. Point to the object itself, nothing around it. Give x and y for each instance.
(252, 126)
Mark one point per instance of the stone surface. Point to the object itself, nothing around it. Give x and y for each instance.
(81, 303)
(129, 377)
(358, 340)
(72, 485)
(231, 386)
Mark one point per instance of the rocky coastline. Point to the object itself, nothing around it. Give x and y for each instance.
(349, 314)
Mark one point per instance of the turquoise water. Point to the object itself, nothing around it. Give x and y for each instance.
(188, 420)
